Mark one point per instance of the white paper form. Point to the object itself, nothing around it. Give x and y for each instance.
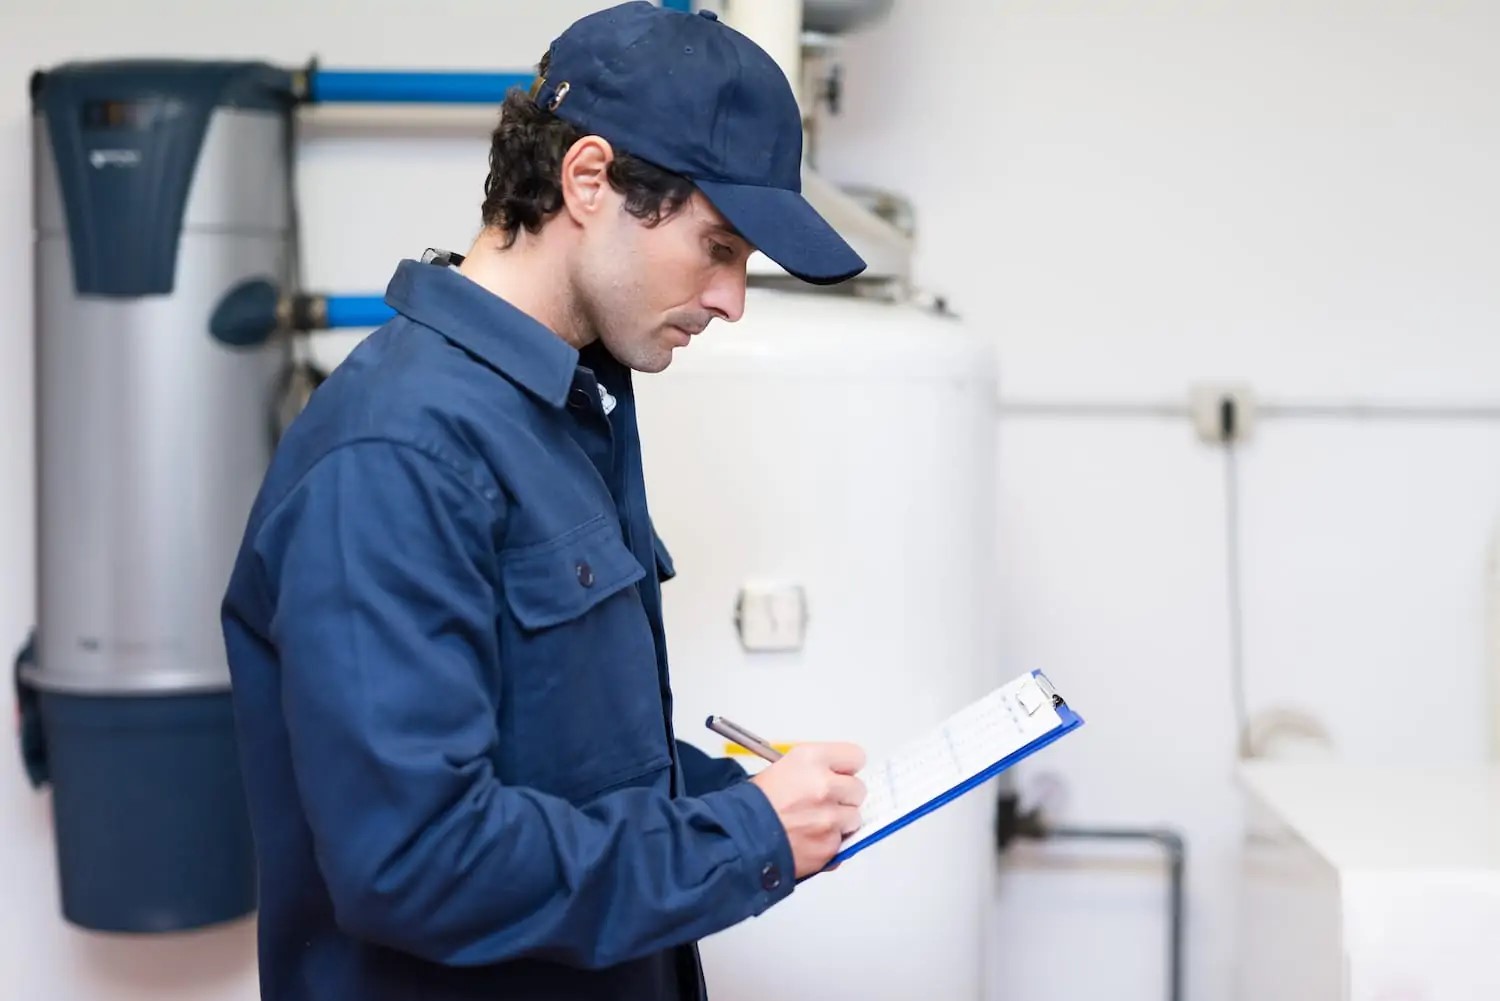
(965, 744)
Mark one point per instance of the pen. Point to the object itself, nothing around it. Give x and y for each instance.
(742, 737)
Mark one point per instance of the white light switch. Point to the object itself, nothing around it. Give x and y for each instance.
(771, 616)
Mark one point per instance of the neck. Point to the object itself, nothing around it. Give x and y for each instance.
(525, 274)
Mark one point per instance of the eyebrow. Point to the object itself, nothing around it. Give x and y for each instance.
(727, 229)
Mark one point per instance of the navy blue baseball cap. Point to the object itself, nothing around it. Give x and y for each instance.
(691, 95)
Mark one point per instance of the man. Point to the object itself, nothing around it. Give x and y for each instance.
(444, 624)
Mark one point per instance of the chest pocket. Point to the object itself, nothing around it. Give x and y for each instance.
(578, 665)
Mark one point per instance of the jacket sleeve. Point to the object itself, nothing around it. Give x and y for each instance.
(705, 774)
(380, 565)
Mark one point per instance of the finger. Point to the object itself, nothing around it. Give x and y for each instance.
(849, 820)
(847, 790)
(844, 758)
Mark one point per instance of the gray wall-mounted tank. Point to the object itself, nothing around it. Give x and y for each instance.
(159, 185)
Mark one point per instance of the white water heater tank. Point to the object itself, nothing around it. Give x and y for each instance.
(822, 475)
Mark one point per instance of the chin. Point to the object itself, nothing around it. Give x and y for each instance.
(638, 355)
(654, 364)
(651, 358)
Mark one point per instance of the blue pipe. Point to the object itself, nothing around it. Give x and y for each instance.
(405, 87)
(423, 86)
(356, 311)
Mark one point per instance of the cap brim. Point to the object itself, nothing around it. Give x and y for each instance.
(787, 229)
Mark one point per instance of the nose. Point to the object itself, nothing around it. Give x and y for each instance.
(725, 295)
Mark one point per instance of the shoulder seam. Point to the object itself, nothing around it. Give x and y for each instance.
(447, 465)
(458, 472)
(441, 462)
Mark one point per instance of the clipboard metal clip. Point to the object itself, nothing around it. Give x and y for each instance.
(1045, 684)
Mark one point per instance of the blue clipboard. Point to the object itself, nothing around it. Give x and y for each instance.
(1068, 722)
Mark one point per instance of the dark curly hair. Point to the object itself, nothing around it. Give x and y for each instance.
(524, 186)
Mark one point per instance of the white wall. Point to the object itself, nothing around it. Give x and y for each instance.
(1139, 196)
(1133, 197)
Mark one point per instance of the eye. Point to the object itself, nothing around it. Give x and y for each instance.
(720, 252)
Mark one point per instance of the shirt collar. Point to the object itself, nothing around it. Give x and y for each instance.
(505, 338)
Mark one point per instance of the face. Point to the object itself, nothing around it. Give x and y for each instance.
(648, 290)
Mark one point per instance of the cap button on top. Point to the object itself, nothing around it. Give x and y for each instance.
(710, 15)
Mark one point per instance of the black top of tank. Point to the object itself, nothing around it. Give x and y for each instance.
(217, 83)
(125, 138)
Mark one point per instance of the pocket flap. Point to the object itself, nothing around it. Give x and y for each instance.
(560, 579)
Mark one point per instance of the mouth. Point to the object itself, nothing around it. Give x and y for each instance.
(682, 336)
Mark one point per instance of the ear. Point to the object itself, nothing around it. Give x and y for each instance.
(585, 181)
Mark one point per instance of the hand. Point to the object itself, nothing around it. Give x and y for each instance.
(815, 792)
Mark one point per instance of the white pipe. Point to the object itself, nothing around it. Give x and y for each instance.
(1492, 623)
(776, 26)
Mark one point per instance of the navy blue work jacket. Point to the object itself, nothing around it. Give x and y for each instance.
(445, 640)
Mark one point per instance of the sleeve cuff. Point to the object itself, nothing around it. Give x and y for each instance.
(766, 862)
(737, 774)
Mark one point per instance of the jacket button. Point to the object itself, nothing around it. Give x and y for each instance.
(585, 574)
(770, 877)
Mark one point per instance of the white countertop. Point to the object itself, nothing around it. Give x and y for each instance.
(1386, 817)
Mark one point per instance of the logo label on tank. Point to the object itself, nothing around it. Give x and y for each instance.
(101, 158)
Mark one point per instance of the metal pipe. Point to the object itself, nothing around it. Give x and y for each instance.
(1476, 411)
(1012, 823)
(1172, 843)
(776, 26)
(408, 87)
